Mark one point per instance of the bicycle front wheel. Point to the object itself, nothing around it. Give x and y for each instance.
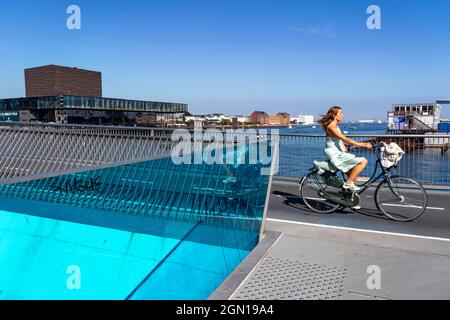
(401, 199)
(312, 189)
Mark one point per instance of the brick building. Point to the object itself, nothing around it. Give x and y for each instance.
(55, 80)
(281, 119)
(259, 117)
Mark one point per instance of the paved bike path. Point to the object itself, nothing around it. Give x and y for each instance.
(286, 204)
(351, 256)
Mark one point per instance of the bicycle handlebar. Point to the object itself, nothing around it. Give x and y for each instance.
(377, 148)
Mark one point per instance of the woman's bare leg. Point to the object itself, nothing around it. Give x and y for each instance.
(356, 171)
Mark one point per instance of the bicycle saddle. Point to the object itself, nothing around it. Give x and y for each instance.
(325, 166)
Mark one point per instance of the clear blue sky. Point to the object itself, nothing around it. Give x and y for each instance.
(235, 56)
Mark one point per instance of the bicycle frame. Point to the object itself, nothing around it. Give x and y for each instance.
(340, 198)
(385, 174)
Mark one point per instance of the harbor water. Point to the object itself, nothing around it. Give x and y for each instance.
(429, 165)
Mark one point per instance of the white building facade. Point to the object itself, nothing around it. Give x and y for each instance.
(303, 119)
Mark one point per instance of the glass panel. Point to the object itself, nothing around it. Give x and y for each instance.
(90, 103)
(145, 224)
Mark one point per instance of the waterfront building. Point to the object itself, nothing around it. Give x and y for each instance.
(259, 117)
(65, 95)
(215, 118)
(187, 116)
(240, 118)
(280, 119)
(414, 118)
(303, 119)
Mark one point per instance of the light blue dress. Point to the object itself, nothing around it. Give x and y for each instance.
(338, 156)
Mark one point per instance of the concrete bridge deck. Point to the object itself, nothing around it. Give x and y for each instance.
(346, 255)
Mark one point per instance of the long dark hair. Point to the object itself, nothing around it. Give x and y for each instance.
(329, 117)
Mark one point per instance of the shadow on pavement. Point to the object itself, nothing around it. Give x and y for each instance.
(296, 202)
(372, 213)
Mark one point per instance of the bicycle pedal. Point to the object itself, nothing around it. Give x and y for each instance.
(349, 191)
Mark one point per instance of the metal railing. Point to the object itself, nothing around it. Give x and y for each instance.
(37, 151)
(89, 129)
(427, 156)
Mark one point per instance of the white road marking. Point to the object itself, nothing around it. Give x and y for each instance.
(392, 205)
(360, 230)
(411, 206)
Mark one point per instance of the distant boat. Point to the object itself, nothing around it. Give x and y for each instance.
(314, 127)
(366, 121)
(290, 126)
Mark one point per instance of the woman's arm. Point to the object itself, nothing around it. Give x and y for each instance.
(335, 132)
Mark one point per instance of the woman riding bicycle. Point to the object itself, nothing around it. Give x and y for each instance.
(336, 151)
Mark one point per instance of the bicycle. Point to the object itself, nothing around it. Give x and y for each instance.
(399, 198)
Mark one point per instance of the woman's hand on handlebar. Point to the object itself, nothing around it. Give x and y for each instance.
(367, 145)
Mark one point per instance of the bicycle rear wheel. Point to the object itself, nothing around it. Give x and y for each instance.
(401, 199)
(311, 190)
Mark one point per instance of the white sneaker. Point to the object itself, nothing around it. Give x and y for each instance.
(356, 208)
(351, 187)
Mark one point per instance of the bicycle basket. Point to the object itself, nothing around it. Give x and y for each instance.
(390, 155)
